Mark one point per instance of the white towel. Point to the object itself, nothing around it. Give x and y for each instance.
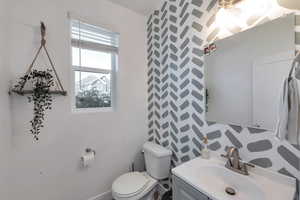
(288, 126)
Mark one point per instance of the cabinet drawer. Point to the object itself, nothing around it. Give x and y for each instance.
(183, 191)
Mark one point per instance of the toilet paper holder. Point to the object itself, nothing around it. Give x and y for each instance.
(89, 150)
(88, 158)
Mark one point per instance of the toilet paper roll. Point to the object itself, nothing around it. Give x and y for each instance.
(88, 159)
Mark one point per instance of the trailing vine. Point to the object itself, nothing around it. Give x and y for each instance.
(42, 81)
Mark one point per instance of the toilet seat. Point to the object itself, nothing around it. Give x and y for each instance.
(132, 185)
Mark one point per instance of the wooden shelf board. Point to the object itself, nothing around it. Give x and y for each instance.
(23, 92)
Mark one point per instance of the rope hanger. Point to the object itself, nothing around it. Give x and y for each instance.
(42, 46)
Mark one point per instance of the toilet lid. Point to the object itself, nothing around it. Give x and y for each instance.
(130, 184)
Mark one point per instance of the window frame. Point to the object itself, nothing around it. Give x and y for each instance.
(114, 51)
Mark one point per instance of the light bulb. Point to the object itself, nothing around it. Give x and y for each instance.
(290, 4)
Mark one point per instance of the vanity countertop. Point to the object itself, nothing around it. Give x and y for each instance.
(210, 177)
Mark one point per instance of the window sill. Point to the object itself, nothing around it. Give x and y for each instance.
(91, 110)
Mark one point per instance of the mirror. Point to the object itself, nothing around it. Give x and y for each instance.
(245, 74)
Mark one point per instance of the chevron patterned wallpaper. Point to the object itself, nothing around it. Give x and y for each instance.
(177, 33)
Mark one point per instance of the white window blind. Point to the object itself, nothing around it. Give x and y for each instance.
(92, 37)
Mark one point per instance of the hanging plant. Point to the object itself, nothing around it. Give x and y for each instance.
(42, 81)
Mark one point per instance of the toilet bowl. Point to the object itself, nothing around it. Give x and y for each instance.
(142, 185)
(134, 186)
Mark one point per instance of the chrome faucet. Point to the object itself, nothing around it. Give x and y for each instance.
(234, 162)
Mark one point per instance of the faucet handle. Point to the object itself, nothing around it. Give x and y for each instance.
(249, 164)
(224, 156)
(245, 166)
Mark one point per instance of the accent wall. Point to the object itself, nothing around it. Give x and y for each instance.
(177, 34)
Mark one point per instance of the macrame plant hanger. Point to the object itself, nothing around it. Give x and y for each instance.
(61, 90)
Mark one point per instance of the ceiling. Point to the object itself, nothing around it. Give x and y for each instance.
(144, 7)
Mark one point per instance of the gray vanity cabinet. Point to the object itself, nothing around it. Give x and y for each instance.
(183, 191)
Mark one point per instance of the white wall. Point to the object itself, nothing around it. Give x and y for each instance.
(5, 130)
(50, 169)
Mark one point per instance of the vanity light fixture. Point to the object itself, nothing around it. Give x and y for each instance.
(228, 3)
(290, 4)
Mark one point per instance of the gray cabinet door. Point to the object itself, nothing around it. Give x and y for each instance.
(183, 191)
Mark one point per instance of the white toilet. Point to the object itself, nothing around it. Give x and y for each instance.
(141, 186)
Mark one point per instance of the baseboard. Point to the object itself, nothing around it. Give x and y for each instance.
(104, 196)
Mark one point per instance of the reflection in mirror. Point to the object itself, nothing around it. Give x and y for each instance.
(245, 74)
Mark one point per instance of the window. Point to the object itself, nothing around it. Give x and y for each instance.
(94, 60)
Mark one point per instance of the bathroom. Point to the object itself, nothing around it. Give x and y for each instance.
(153, 63)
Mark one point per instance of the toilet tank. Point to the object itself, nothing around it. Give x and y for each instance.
(158, 160)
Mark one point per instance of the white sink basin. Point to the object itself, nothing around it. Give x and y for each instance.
(212, 178)
(217, 179)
